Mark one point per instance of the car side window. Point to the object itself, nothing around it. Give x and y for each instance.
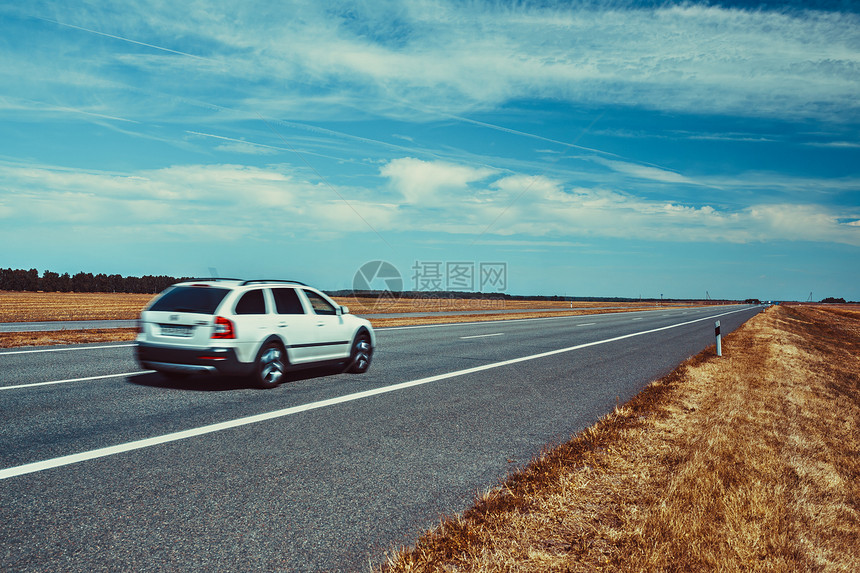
(252, 302)
(287, 301)
(321, 305)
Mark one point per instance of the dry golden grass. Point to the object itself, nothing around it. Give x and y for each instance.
(746, 462)
(14, 339)
(41, 306)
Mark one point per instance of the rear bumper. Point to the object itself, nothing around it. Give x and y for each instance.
(190, 361)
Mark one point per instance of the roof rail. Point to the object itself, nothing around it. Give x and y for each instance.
(271, 281)
(209, 279)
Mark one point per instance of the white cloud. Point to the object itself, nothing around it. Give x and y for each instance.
(242, 201)
(230, 202)
(537, 206)
(432, 183)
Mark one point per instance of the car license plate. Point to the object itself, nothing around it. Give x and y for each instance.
(176, 330)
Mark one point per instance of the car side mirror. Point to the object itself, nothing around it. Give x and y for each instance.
(343, 309)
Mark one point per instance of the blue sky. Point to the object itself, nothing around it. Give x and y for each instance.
(595, 148)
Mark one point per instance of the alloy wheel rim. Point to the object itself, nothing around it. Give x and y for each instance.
(272, 369)
(362, 354)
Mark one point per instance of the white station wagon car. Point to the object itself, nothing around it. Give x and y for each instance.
(254, 328)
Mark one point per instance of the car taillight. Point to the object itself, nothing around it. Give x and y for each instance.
(223, 328)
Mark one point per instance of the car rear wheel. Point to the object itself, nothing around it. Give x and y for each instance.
(270, 366)
(361, 355)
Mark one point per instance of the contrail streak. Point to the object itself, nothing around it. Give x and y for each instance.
(527, 134)
(503, 128)
(235, 140)
(129, 40)
(52, 107)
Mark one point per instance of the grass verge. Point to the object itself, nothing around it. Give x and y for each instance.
(746, 462)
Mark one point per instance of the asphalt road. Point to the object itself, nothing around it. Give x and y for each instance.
(105, 468)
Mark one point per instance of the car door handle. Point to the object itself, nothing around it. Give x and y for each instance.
(320, 324)
(283, 324)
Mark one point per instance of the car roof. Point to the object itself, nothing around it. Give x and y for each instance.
(226, 282)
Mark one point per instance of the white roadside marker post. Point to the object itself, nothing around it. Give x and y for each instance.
(719, 338)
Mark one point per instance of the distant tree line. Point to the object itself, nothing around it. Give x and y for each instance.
(49, 281)
(443, 294)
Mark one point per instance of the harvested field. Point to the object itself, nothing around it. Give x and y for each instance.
(55, 337)
(41, 306)
(447, 319)
(363, 305)
(746, 462)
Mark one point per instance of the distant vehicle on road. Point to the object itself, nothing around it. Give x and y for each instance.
(252, 328)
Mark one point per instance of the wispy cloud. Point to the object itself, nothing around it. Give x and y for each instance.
(394, 59)
(640, 171)
(835, 144)
(434, 195)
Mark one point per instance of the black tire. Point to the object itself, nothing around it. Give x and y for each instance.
(361, 354)
(270, 366)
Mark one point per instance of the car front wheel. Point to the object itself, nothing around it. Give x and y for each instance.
(270, 366)
(361, 355)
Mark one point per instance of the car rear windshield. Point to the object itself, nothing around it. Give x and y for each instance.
(202, 300)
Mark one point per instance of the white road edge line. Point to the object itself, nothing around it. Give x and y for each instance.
(17, 386)
(586, 324)
(203, 430)
(64, 349)
(482, 335)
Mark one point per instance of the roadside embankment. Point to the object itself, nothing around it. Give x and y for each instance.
(749, 461)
